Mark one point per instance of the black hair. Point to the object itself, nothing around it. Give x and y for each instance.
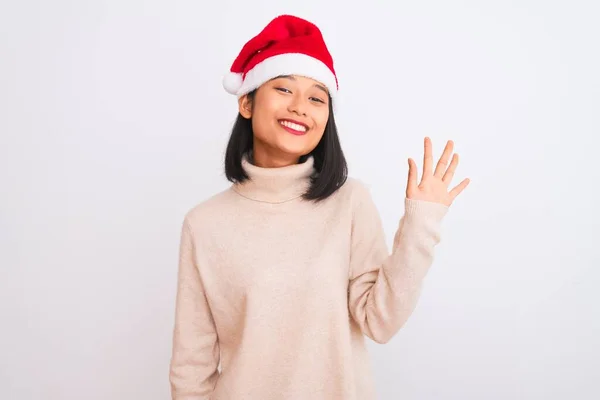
(329, 160)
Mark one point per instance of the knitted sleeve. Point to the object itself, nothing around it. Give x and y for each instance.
(384, 288)
(195, 355)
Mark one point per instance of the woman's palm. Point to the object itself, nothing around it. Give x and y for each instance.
(434, 183)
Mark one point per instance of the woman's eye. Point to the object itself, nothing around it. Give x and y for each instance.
(284, 90)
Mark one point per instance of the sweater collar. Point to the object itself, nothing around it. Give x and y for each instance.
(275, 185)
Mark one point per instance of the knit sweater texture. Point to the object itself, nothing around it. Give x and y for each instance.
(276, 294)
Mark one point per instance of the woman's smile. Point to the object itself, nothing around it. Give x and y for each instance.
(294, 127)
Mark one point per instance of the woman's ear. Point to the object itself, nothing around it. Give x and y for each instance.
(245, 106)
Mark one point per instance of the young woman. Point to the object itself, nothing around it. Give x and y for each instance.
(282, 275)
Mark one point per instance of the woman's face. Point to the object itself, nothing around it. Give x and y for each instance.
(289, 115)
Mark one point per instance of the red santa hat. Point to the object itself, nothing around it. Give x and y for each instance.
(288, 45)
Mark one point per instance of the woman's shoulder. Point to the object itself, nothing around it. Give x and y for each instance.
(210, 208)
(355, 189)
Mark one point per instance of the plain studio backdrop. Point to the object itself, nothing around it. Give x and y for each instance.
(114, 122)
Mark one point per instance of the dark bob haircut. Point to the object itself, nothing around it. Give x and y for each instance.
(329, 160)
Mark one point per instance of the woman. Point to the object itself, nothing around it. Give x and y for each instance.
(282, 275)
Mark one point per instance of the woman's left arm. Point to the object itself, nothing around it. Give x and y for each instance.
(384, 288)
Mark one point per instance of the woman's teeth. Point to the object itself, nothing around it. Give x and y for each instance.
(291, 125)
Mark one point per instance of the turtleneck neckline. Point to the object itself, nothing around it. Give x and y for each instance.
(275, 185)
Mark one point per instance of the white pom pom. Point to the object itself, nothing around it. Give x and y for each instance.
(232, 82)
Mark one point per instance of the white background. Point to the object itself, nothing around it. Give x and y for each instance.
(113, 124)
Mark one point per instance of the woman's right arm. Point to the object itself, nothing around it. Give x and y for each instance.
(195, 355)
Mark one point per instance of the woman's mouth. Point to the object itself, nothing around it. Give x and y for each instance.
(294, 128)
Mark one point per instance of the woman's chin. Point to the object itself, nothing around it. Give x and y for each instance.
(294, 149)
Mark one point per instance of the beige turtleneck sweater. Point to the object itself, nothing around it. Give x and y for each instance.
(281, 292)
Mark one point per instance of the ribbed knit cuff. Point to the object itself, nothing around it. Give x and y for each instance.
(424, 209)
